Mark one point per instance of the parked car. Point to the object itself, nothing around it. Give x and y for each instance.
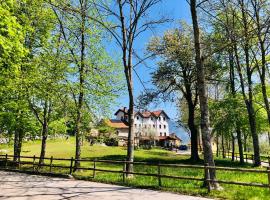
(183, 147)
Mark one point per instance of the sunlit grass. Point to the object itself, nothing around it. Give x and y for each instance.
(62, 148)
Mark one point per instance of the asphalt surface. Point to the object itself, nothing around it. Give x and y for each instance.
(19, 186)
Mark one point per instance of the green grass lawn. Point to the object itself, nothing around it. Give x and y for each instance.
(62, 148)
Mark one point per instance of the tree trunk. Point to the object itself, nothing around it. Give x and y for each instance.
(255, 138)
(43, 142)
(233, 148)
(206, 136)
(223, 146)
(245, 143)
(265, 97)
(46, 113)
(249, 103)
(78, 133)
(233, 91)
(249, 100)
(16, 146)
(194, 132)
(268, 137)
(217, 140)
(199, 138)
(262, 70)
(130, 150)
(228, 144)
(127, 50)
(240, 145)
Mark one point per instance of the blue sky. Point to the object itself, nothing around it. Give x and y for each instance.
(176, 10)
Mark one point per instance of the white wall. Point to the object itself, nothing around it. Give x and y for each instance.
(122, 132)
(149, 125)
(152, 124)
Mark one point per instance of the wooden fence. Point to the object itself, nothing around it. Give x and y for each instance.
(7, 161)
(247, 157)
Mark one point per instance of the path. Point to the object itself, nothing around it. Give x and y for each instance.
(19, 186)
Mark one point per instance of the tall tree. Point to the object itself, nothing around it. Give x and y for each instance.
(176, 74)
(202, 92)
(40, 20)
(259, 13)
(44, 90)
(129, 19)
(89, 79)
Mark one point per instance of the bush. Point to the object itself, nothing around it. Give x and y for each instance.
(111, 141)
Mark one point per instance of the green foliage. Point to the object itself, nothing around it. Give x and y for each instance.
(101, 79)
(12, 36)
(225, 113)
(104, 128)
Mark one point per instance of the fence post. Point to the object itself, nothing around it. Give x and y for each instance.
(94, 171)
(71, 165)
(6, 161)
(246, 158)
(51, 164)
(124, 171)
(159, 173)
(252, 157)
(207, 176)
(34, 159)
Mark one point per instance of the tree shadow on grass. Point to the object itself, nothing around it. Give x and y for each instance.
(165, 159)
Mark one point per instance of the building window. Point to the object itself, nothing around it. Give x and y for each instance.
(154, 126)
(160, 134)
(144, 126)
(138, 118)
(164, 126)
(159, 126)
(135, 125)
(122, 118)
(159, 118)
(164, 133)
(164, 118)
(152, 118)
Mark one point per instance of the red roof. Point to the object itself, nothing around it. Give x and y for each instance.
(145, 114)
(157, 113)
(116, 123)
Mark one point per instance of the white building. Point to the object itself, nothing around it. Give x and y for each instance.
(150, 126)
(147, 123)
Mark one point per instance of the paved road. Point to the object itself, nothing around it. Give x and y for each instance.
(18, 186)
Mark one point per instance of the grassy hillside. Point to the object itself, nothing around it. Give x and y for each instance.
(63, 148)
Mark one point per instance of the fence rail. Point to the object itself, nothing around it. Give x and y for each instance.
(246, 156)
(7, 161)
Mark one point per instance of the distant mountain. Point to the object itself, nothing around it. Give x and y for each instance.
(180, 131)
